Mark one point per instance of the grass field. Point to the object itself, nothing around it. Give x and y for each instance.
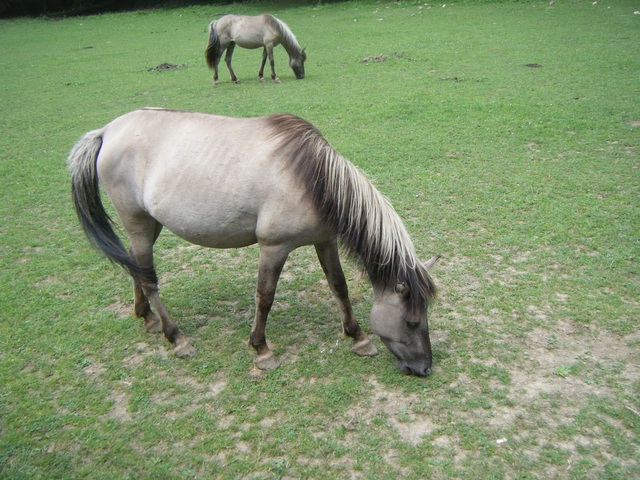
(506, 134)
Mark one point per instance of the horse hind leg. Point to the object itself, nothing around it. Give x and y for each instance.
(182, 347)
(330, 262)
(141, 306)
(215, 73)
(216, 64)
(142, 309)
(146, 292)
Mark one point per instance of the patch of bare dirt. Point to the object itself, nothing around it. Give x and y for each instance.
(198, 393)
(121, 310)
(374, 58)
(120, 409)
(94, 370)
(396, 407)
(142, 351)
(163, 67)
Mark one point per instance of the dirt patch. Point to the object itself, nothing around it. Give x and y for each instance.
(396, 407)
(94, 370)
(452, 79)
(174, 401)
(143, 350)
(120, 409)
(120, 309)
(374, 59)
(163, 67)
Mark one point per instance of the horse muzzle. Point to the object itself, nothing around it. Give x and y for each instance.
(410, 361)
(419, 370)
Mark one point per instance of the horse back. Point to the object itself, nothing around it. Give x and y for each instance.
(215, 181)
(249, 31)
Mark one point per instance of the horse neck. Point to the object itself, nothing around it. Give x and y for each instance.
(353, 209)
(369, 226)
(288, 39)
(373, 232)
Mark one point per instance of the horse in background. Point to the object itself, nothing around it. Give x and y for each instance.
(252, 32)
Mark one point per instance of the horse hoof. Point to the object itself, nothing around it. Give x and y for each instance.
(261, 79)
(267, 361)
(236, 81)
(364, 348)
(184, 351)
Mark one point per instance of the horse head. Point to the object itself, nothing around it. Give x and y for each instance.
(402, 326)
(296, 62)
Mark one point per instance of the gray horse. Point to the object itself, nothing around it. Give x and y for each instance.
(232, 182)
(252, 32)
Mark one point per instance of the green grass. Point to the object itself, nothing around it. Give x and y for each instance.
(524, 179)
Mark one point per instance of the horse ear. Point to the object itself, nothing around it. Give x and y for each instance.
(429, 263)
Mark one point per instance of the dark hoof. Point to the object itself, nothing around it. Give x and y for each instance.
(364, 348)
(267, 361)
(184, 350)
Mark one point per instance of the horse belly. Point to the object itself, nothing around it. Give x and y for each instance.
(249, 41)
(211, 220)
(234, 209)
(235, 228)
(214, 234)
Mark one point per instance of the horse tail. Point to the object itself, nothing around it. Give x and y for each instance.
(212, 53)
(95, 221)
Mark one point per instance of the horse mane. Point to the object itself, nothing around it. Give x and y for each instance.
(289, 40)
(363, 219)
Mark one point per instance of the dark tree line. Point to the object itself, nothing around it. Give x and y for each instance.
(34, 8)
(61, 8)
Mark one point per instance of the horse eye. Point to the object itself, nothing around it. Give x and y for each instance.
(402, 289)
(411, 324)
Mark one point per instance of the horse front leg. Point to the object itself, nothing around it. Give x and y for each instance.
(216, 63)
(330, 262)
(227, 60)
(269, 50)
(272, 260)
(264, 61)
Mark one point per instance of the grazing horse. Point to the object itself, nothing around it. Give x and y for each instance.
(252, 32)
(227, 182)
